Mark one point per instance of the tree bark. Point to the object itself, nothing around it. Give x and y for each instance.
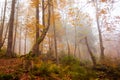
(37, 28)
(10, 34)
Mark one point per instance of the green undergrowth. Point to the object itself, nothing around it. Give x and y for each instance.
(9, 77)
(69, 68)
(2, 53)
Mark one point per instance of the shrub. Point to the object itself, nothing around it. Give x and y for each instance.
(69, 60)
(2, 52)
(6, 77)
(42, 70)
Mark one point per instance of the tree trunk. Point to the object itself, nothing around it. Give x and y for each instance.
(25, 41)
(75, 42)
(100, 34)
(3, 41)
(91, 54)
(44, 32)
(79, 52)
(68, 46)
(37, 28)
(50, 47)
(20, 40)
(55, 40)
(43, 20)
(2, 25)
(14, 43)
(10, 34)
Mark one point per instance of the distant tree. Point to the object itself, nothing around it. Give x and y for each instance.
(99, 30)
(82, 23)
(91, 53)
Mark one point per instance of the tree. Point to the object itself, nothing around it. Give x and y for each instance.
(16, 26)
(2, 26)
(54, 30)
(20, 38)
(44, 32)
(82, 23)
(10, 34)
(99, 31)
(36, 51)
(89, 50)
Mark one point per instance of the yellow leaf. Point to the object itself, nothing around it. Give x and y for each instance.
(80, 25)
(103, 11)
(41, 26)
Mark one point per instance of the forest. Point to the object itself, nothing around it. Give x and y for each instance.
(59, 40)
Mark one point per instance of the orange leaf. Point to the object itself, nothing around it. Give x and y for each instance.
(103, 0)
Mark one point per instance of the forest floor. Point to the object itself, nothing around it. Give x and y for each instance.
(45, 68)
(9, 65)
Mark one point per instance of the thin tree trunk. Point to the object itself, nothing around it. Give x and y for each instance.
(25, 41)
(68, 46)
(75, 42)
(3, 41)
(20, 40)
(50, 45)
(79, 51)
(1, 37)
(55, 40)
(10, 34)
(2, 25)
(99, 31)
(91, 54)
(1, 28)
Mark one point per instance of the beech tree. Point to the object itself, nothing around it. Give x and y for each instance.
(9, 51)
(37, 27)
(45, 29)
